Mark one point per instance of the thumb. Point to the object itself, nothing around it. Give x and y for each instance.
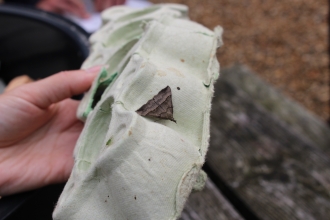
(57, 87)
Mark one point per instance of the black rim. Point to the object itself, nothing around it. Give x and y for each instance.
(72, 30)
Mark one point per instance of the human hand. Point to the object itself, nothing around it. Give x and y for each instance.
(39, 129)
(75, 7)
(100, 5)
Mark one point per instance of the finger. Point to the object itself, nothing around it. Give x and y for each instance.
(81, 7)
(74, 7)
(57, 87)
(79, 11)
(101, 5)
(98, 5)
(104, 4)
(18, 81)
(121, 2)
(108, 4)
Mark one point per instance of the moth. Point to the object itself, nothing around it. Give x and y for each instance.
(160, 106)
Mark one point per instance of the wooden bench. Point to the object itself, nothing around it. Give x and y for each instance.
(269, 158)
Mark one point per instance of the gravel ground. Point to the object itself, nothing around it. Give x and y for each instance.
(285, 42)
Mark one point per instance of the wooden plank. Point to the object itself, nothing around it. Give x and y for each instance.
(209, 204)
(287, 110)
(279, 171)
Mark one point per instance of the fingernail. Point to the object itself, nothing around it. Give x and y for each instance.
(94, 69)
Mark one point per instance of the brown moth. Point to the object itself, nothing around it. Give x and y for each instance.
(160, 106)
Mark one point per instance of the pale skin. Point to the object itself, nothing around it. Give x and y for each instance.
(39, 129)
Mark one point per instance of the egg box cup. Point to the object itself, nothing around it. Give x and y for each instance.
(147, 120)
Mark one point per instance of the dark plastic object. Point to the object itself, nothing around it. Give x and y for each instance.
(38, 44)
(36, 204)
